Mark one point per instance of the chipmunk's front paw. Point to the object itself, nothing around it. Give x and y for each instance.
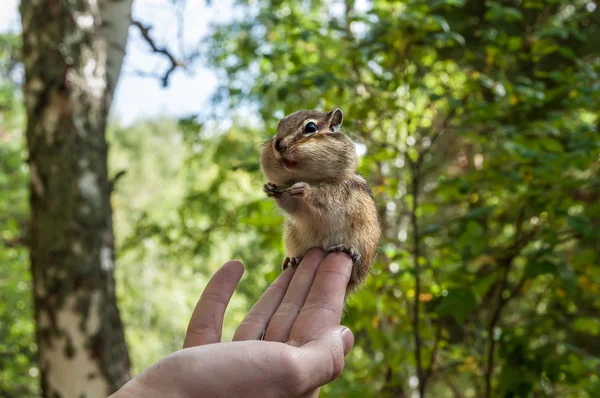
(298, 189)
(272, 190)
(354, 255)
(291, 261)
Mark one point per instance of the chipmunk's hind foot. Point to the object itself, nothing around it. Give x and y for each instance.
(291, 261)
(354, 255)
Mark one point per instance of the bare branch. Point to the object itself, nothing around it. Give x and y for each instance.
(506, 263)
(19, 241)
(489, 369)
(22, 240)
(116, 178)
(566, 236)
(395, 391)
(437, 133)
(434, 351)
(416, 324)
(175, 63)
(453, 387)
(521, 240)
(415, 168)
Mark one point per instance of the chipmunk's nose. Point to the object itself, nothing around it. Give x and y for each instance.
(279, 146)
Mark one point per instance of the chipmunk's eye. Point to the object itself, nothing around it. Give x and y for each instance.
(310, 128)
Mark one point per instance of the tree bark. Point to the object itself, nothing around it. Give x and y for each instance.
(72, 53)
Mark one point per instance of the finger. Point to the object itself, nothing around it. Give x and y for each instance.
(282, 320)
(206, 322)
(322, 359)
(255, 323)
(325, 302)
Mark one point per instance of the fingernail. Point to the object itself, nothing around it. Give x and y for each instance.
(348, 340)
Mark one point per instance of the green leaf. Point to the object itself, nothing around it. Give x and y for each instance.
(479, 211)
(534, 268)
(434, 97)
(474, 230)
(567, 52)
(448, 38)
(413, 154)
(589, 325)
(482, 285)
(552, 145)
(568, 279)
(458, 303)
(579, 223)
(429, 229)
(499, 13)
(515, 43)
(454, 3)
(440, 22)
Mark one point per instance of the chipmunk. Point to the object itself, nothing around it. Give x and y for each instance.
(311, 169)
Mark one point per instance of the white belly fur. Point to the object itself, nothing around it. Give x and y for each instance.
(324, 229)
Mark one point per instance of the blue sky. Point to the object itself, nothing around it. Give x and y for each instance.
(137, 97)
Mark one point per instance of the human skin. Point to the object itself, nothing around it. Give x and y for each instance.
(303, 346)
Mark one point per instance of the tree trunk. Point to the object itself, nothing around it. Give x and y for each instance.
(72, 52)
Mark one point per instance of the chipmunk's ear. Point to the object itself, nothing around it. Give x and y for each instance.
(335, 119)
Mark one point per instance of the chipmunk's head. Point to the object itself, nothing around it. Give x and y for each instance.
(309, 147)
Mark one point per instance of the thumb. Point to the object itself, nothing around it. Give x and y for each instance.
(322, 358)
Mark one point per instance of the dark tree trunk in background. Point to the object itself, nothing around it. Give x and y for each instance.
(73, 52)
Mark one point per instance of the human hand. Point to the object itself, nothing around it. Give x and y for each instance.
(298, 317)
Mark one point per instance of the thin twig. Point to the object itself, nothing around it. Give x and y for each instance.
(16, 242)
(417, 267)
(567, 237)
(452, 386)
(175, 63)
(436, 343)
(415, 167)
(437, 133)
(492, 325)
(494, 321)
(521, 240)
(396, 391)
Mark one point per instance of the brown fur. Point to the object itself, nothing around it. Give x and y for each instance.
(327, 203)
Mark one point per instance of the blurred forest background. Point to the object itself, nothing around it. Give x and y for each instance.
(478, 125)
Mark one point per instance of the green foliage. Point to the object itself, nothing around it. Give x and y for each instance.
(161, 268)
(18, 368)
(458, 303)
(480, 118)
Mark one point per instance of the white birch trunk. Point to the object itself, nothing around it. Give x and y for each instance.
(73, 52)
